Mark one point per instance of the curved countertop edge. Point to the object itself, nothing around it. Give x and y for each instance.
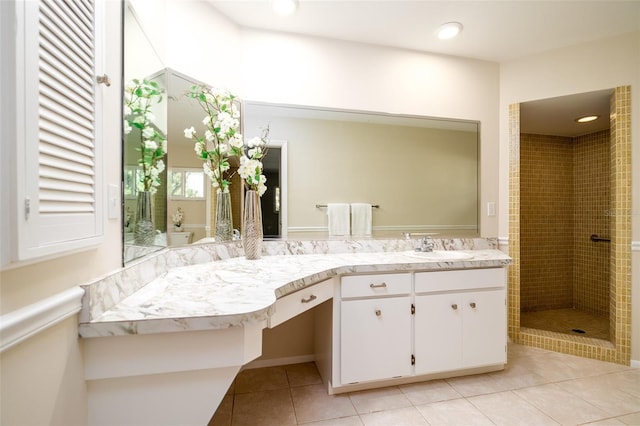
(102, 327)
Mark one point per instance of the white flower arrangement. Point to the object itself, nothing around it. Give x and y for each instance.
(139, 96)
(251, 163)
(222, 121)
(178, 216)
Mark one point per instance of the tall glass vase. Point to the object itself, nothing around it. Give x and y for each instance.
(144, 232)
(252, 238)
(224, 217)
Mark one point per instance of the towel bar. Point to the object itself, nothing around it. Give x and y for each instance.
(319, 206)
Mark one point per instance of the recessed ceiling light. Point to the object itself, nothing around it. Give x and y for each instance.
(284, 7)
(449, 30)
(587, 118)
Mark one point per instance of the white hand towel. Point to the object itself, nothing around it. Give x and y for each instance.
(338, 218)
(360, 219)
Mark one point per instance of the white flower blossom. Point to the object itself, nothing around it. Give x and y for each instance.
(127, 128)
(188, 133)
(151, 145)
(236, 141)
(208, 135)
(198, 149)
(148, 132)
(206, 120)
(160, 166)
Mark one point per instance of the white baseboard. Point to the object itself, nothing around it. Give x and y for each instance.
(635, 363)
(275, 362)
(23, 323)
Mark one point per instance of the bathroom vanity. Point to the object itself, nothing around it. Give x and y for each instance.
(164, 339)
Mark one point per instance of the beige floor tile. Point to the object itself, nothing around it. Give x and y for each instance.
(507, 408)
(378, 400)
(630, 419)
(606, 422)
(344, 421)
(560, 405)
(516, 376)
(409, 416)
(267, 408)
(303, 374)
(552, 367)
(428, 392)
(453, 412)
(604, 393)
(311, 403)
(261, 379)
(478, 384)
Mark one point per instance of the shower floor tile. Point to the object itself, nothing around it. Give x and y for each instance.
(567, 321)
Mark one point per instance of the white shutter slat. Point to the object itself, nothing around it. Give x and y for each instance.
(75, 21)
(56, 135)
(66, 109)
(78, 133)
(57, 22)
(71, 62)
(81, 159)
(50, 67)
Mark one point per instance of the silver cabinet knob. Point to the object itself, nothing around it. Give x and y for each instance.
(454, 306)
(378, 312)
(473, 305)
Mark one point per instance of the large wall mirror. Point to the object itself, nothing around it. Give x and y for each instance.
(422, 173)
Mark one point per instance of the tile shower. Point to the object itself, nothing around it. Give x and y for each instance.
(564, 201)
(618, 347)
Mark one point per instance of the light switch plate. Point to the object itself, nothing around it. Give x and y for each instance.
(491, 208)
(114, 202)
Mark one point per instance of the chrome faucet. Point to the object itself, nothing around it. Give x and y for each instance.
(426, 244)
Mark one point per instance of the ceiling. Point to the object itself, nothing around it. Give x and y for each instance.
(498, 31)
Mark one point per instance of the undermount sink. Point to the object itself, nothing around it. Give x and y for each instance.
(440, 255)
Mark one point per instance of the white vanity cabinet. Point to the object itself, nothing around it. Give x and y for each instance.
(406, 327)
(460, 319)
(375, 327)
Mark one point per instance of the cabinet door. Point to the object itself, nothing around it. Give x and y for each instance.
(375, 339)
(438, 333)
(484, 328)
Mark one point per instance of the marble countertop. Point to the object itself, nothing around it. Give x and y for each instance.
(236, 291)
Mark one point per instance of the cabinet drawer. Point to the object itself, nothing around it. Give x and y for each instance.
(375, 285)
(296, 303)
(460, 280)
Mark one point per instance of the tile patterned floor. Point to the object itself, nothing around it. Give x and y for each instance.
(538, 387)
(566, 320)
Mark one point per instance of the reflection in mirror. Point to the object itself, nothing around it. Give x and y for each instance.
(145, 147)
(422, 172)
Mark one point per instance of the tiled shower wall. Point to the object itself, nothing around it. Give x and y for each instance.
(591, 183)
(564, 190)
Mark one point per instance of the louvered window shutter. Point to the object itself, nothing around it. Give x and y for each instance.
(62, 203)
